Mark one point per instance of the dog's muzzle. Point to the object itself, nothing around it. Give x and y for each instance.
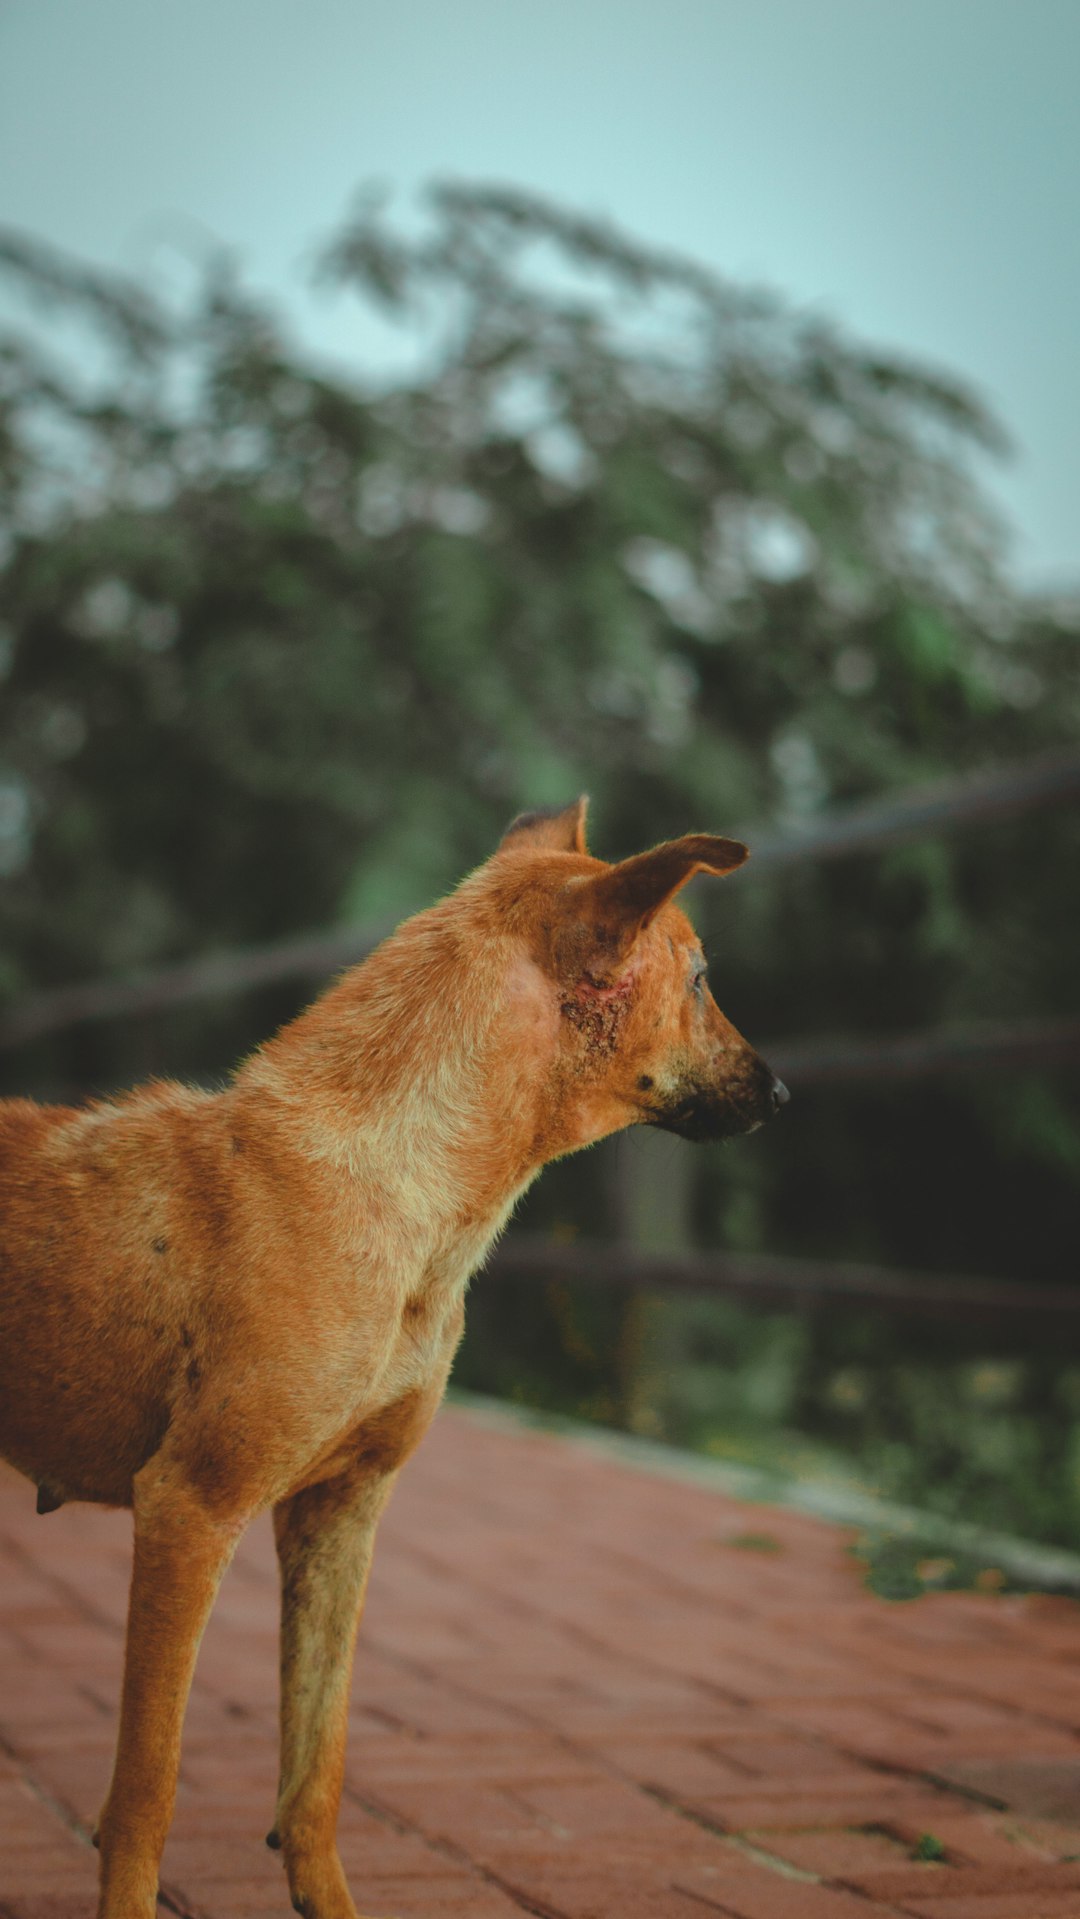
(740, 1106)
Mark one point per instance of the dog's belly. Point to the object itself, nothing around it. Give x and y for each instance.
(75, 1448)
(62, 1472)
(82, 1404)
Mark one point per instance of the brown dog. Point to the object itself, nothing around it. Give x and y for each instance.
(211, 1303)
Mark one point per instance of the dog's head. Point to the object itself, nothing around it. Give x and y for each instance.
(639, 1037)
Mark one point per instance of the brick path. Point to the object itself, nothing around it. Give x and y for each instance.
(583, 1691)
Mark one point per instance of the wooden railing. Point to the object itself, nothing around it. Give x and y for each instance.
(767, 1280)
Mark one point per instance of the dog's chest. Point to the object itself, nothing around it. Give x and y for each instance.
(433, 1308)
(431, 1320)
(394, 1397)
(391, 1415)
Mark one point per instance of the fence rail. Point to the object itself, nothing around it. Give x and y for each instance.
(905, 1056)
(976, 799)
(211, 976)
(760, 1279)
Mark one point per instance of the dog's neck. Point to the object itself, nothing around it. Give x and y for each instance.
(409, 1078)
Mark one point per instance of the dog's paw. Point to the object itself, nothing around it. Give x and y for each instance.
(317, 1885)
(311, 1908)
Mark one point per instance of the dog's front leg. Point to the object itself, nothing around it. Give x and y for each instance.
(181, 1552)
(325, 1537)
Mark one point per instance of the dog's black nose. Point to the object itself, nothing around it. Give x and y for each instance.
(780, 1095)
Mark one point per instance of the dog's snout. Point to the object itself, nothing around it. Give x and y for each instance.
(779, 1095)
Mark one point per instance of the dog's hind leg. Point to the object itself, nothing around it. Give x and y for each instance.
(181, 1552)
(325, 1537)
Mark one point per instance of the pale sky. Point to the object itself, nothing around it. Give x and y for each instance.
(910, 168)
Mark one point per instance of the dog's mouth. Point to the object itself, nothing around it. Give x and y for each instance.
(705, 1113)
(704, 1117)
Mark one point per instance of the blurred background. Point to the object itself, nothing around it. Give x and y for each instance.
(405, 421)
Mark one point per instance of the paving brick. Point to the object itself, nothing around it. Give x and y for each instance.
(570, 1687)
(839, 1853)
(615, 1893)
(1044, 1785)
(603, 1806)
(1006, 1905)
(78, 1779)
(457, 1898)
(834, 1775)
(26, 1875)
(792, 1811)
(783, 1758)
(386, 1854)
(529, 1757)
(764, 1895)
(48, 1905)
(44, 1838)
(976, 1838)
(462, 1814)
(913, 1883)
(189, 1860)
(1048, 1838)
(677, 1770)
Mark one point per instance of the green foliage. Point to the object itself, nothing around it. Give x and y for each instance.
(901, 1566)
(628, 527)
(928, 1846)
(283, 645)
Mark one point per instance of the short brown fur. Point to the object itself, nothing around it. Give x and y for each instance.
(211, 1304)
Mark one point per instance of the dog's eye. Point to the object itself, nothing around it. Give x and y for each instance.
(697, 981)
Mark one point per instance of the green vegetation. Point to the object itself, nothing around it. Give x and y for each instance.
(284, 646)
(947, 1420)
(900, 1566)
(928, 1846)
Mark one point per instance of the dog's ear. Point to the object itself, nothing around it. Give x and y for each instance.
(610, 910)
(631, 893)
(551, 830)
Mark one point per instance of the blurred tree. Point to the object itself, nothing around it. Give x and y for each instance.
(283, 646)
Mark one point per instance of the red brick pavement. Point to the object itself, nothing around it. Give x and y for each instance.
(577, 1696)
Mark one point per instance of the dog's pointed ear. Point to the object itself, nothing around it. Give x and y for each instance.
(553, 830)
(631, 893)
(610, 910)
